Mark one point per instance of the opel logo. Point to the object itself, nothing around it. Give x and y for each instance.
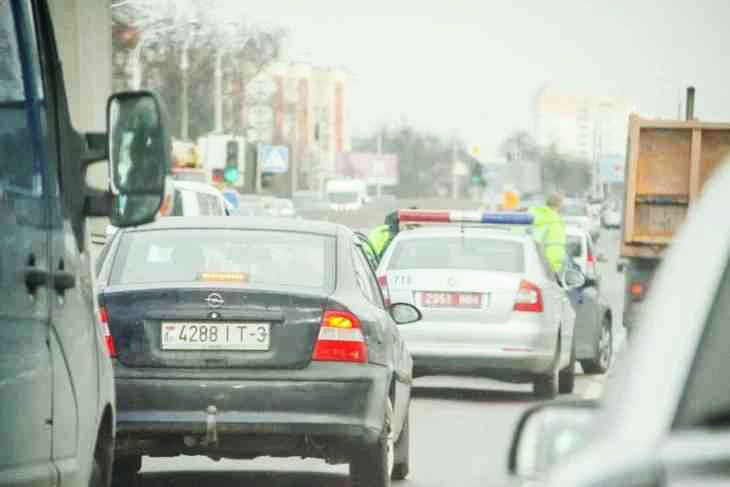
(214, 300)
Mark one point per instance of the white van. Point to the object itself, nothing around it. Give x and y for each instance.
(346, 194)
(188, 198)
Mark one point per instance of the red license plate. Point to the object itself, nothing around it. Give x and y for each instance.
(451, 300)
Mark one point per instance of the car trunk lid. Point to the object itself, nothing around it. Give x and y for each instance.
(174, 327)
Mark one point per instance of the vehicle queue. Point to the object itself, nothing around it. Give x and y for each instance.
(261, 314)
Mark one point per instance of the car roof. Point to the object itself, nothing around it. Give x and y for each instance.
(575, 230)
(456, 230)
(241, 223)
(197, 187)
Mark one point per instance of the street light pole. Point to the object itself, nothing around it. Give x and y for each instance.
(219, 91)
(184, 67)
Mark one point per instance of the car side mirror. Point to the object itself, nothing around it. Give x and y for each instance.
(572, 279)
(139, 156)
(547, 433)
(404, 313)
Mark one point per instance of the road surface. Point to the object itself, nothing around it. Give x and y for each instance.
(461, 430)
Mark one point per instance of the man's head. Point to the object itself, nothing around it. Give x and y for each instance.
(555, 201)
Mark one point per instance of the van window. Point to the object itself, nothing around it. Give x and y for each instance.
(209, 205)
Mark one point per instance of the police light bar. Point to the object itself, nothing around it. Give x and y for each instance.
(446, 216)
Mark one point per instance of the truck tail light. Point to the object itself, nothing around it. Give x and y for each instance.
(340, 339)
(637, 290)
(529, 298)
(383, 282)
(111, 350)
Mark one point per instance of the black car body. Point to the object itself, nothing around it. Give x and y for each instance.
(248, 403)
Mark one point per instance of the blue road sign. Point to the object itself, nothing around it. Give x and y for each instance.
(274, 159)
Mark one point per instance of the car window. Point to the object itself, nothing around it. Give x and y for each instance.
(209, 205)
(706, 400)
(485, 254)
(21, 174)
(248, 256)
(177, 205)
(365, 277)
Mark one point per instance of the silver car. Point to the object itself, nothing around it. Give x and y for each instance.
(491, 307)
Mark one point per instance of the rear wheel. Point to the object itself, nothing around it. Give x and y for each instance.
(402, 452)
(566, 379)
(604, 351)
(372, 465)
(546, 386)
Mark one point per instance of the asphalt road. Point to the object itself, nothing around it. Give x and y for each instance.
(461, 429)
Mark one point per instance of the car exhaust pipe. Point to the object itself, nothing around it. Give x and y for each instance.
(211, 431)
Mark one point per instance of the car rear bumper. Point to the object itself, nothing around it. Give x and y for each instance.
(515, 351)
(507, 365)
(279, 413)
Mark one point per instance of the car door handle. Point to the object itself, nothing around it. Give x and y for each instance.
(34, 278)
(63, 280)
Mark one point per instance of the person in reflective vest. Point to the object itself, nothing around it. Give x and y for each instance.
(381, 235)
(549, 231)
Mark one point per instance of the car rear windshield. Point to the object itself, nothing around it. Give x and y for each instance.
(254, 257)
(459, 253)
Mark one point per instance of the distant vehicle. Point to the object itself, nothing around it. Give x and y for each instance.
(346, 194)
(593, 320)
(198, 373)
(187, 198)
(577, 212)
(491, 307)
(197, 199)
(57, 405)
(664, 420)
(659, 190)
(281, 207)
(611, 217)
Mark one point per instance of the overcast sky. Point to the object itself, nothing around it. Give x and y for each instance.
(472, 67)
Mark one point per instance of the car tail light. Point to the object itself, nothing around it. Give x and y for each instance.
(340, 338)
(383, 281)
(590, 258)
(529, 298)
(637, 290)
(111, 350)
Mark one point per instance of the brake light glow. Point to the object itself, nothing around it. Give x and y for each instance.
(383, 282)
(340, 339)
(446, 216)
(529, 298)
(111, 350)
(590, 258)
(637, 290)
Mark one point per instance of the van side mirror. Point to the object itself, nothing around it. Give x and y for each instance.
(139, 156)
(547, 433)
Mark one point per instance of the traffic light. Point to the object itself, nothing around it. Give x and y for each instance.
(231, 173)
(477, 178)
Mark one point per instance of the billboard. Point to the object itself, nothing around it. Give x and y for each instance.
(371, 167)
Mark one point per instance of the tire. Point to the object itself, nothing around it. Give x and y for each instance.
(96, 479)
(126, 469)
(370, 465)
(402, 452)
(545, 386)
(604, 351)
(566, 378)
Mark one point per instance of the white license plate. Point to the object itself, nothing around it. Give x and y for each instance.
(215, 336)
